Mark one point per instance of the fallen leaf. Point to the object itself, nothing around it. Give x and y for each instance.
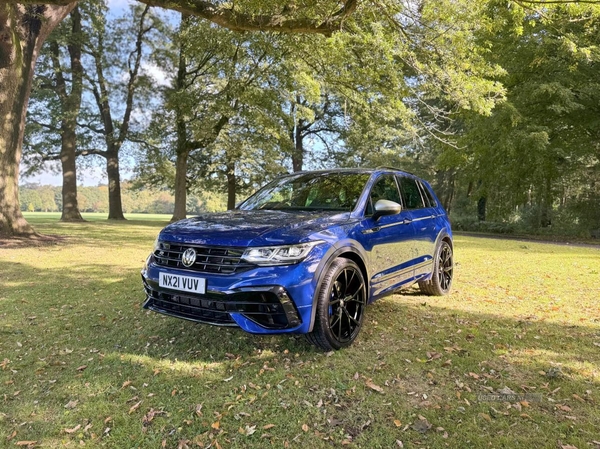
(81, 368)
(134, 407)
(374, 387)
(74, 429)
(71, 405)
(399, 443)
(486, 417)
(564, 408)
(126, 384)
(305, 427)
(248, 430)
(505, 390)
(397, 423)
(567, 446)
(25, 443)
(148, 417)
(268, 426)
(421, 425)
(12, 435)
(216, 425)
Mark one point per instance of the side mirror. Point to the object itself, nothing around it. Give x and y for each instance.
(386, 207)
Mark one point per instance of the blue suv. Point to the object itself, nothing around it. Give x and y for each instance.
(305, 254)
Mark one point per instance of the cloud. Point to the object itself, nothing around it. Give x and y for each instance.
(118, 5)
(159, 76)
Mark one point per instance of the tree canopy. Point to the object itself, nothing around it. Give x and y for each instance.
(494, 101)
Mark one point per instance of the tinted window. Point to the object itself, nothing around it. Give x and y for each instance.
(384, 189)
(410, 193)
(310, 191)
(427, 196)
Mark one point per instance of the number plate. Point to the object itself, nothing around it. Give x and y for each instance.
(182, 283)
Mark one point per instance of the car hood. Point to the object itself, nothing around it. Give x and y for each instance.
(251, 228)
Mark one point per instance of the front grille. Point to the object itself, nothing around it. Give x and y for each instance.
(191, 308)
(209, 259)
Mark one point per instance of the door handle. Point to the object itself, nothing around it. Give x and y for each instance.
(406, 221)
(372, 230)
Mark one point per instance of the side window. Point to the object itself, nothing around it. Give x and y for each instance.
(410, 193)
(427, 196)
(384, 189)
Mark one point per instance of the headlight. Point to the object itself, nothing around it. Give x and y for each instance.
(156, 245)
(278, 255)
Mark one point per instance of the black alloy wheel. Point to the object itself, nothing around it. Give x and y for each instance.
(340, 306)
(443, 271)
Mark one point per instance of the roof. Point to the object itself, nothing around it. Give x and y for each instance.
(353, 170)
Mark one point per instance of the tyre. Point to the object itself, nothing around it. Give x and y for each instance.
(443, 270)
(341, 304)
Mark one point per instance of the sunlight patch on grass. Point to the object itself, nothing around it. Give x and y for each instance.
(196, 369)
(557, 364)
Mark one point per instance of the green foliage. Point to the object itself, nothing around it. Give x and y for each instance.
(536, 156)
(37, 198)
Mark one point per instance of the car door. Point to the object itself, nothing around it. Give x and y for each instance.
(389, 240)
(423, 216)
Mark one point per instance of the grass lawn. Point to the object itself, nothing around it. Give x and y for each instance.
(82, 364)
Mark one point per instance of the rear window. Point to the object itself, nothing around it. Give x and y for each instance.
(427, 195)
(411, 195)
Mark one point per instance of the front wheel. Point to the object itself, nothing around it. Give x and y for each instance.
(443, 270)
(341, 304)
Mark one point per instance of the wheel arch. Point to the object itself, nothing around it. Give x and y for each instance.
(347, 252)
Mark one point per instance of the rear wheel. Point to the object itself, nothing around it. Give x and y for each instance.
(340, 306)
(443, 271)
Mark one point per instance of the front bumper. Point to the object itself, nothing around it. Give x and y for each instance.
(270, 308)
(263, 300)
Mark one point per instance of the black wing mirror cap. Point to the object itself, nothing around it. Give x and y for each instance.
(386, 207)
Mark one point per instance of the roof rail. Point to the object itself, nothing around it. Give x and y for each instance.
(387, 167)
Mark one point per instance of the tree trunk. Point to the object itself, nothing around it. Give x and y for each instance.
(71, 104)
(23, 30)
(481, 206)
(181, 164)
(183, 148)
(298, 154)
(70, 209)
(231, 185)
(115, 208)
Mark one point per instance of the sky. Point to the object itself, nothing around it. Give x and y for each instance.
(92, 176)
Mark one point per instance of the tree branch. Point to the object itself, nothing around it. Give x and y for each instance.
(228, 17)
(102, 153)
(133, 75)
(44, 125)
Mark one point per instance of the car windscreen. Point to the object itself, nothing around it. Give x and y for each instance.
(310, 191)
